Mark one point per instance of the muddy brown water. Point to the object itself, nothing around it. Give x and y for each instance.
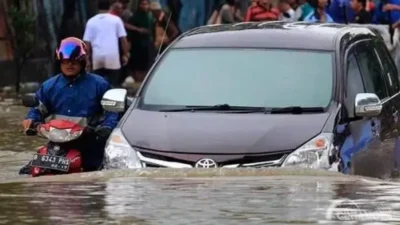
(173, 197)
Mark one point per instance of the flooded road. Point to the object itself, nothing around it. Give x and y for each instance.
(173, 197)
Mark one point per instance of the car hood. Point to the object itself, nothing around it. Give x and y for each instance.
(220, 133)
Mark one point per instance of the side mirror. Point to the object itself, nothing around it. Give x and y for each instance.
(30, 100)
(367, 105)
(114, 100)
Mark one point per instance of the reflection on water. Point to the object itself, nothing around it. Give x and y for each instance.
(261, 200)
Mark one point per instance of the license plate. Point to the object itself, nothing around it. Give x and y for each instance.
(51, 162)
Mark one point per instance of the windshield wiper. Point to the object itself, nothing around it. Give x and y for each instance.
(295, 110)
(220, 107)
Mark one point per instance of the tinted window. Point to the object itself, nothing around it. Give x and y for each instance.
(372, 72)
(241, 77)
(354, 83)
(391, 70)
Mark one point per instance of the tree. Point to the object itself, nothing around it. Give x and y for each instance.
(23, 38)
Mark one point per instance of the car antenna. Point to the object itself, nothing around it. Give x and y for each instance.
(162, 40)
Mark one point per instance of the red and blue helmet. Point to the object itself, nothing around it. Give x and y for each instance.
(71, 48)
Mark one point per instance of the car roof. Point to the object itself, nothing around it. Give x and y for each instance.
(275, 34)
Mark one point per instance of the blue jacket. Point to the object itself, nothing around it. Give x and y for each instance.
(77, 100)
(338, 10)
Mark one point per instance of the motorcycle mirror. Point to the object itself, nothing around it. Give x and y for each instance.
(30, 100)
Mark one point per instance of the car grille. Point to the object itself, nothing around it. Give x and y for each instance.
(266, 160)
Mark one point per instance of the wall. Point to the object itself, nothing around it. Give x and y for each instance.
(50, 15)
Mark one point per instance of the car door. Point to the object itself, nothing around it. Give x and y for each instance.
(349, 128)
(393, 81)
(375, 135)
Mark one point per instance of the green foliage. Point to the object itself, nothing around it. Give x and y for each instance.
(23, 28)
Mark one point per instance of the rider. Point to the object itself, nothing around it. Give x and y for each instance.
(75, 95)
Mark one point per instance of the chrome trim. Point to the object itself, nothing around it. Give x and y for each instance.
(271, 163)
(156, 162)
(241, 23)
(162, 163)
(266, 163)
(270, 22)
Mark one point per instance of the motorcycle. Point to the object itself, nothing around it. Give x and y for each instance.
(58, 156)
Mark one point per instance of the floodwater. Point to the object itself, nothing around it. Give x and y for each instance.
(174, 197)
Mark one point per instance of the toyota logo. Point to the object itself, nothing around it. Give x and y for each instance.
(206, 163)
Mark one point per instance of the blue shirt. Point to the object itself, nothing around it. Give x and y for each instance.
(312, 18)
(77, 100)
(340, 10)
(391, 17)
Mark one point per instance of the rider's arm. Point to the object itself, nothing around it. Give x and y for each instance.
(37, 114)
(110, 118)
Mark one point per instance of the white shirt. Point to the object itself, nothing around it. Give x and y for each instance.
(103, 32)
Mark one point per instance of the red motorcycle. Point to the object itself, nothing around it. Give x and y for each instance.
(58, 156)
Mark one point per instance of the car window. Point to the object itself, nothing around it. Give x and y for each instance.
(389, 66)
(354, 83)
(371, 71)
(241, 77)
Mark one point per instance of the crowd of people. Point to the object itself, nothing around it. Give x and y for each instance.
(143, 34)
(122, 43)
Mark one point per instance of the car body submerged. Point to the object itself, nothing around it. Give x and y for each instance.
(226, 96)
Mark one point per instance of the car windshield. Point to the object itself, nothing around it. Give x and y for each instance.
(240, 77)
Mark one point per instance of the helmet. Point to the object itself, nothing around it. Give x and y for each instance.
(71, 48)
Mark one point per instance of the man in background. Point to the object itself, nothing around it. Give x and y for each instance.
(103, 33)
(362, 16)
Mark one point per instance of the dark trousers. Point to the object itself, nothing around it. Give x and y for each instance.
(124, 73)
(112, 76)
(92, 151)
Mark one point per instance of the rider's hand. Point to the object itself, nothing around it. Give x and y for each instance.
(29, 127)
(26, 124)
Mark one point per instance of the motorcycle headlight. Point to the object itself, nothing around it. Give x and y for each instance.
(313, 154)
(119, 154)
(60, 135)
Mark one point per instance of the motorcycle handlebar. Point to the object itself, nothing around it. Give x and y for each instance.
(32, 130)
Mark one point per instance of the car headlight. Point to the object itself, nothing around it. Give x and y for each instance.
(313, 154)
(119, 154)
